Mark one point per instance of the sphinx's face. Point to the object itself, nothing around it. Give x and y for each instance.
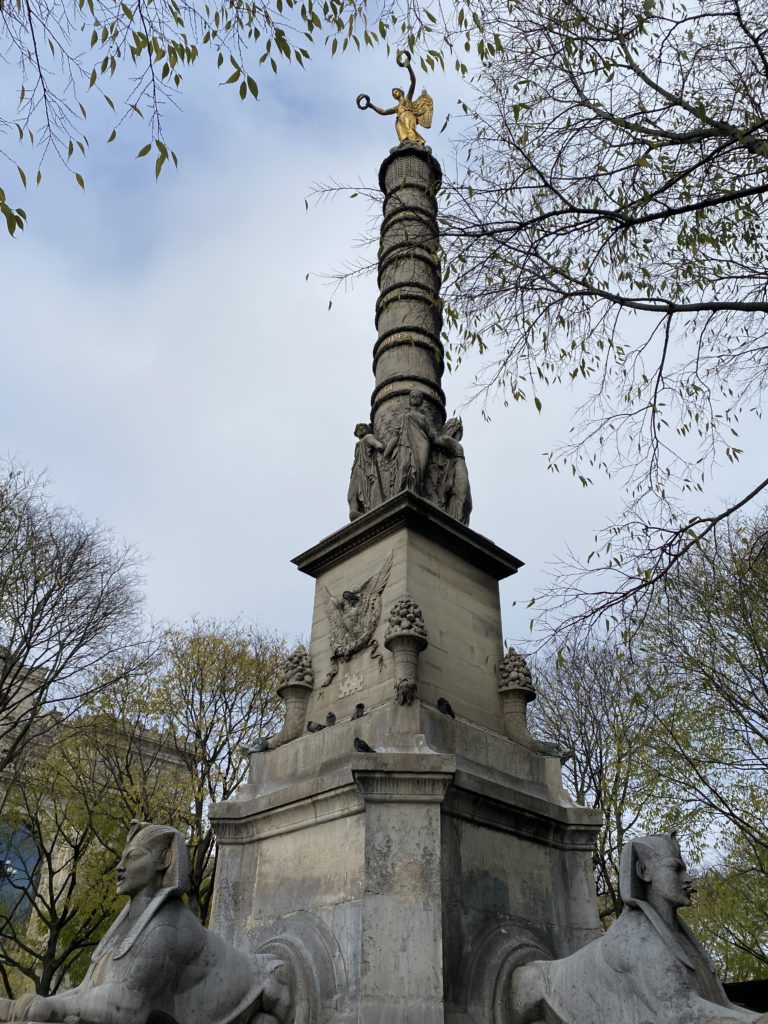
(670, 881)
(139, 868)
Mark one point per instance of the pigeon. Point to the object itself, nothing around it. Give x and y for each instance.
(359, 712)
(314, 726)
(444, 707)
(260, 745)
(330, 718)
(362, 747)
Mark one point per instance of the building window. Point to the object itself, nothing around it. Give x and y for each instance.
(18, 872)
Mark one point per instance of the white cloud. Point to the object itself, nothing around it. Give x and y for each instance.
(168, 363)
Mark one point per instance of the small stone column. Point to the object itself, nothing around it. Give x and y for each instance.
(295, 688)
(406, 637)
(516, 690)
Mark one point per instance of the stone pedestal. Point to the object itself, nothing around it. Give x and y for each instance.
(404, 885)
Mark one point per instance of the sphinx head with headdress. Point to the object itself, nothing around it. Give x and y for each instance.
(653, 871)
(154, 860)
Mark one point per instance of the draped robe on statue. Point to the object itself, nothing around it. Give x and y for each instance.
(415, 437)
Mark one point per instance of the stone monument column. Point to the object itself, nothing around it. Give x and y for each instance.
(409, 848)
(408, 352)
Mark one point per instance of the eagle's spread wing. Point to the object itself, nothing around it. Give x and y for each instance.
(338, 629)
(370, 595)
(423, 108)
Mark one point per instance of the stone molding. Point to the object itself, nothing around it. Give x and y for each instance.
(430, 390)
(415, 338)
(522, 815)
(262, 823)
(409, 778)
(402, 787)
(408, 510)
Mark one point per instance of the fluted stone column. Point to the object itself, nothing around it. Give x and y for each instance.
(408, 353)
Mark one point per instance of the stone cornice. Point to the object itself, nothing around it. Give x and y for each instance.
(411, 149)
(256, 821)
(389, 777)
(402, 789)
(511, 810)
(408, 510)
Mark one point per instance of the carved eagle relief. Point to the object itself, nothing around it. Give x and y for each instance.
(354, 616)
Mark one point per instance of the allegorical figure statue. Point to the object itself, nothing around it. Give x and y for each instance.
(410, 455)
(410, 446)
(409, 112)
(367, 488)
(647, 969)
(453, 483)
(157, 962)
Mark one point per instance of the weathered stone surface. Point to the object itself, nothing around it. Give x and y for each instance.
(647, 967)
(369, 482)
(353, 616)
(451, 572)
(406, 638)
(517, 691)
(418, 875)
(514, 671)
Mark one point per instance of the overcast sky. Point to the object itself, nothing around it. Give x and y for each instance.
(166, 362)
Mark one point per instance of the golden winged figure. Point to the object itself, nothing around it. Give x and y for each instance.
(409, 111)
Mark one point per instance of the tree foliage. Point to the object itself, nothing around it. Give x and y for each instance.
(709, 638)
(729, 914)
(595, 703)
(159, 745)
(672, 732)
(216, 694)
(132, 57)
(609, 234)
(70, 609)
(59, 800)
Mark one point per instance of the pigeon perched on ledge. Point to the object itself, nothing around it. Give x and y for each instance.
(314, 726)
(330, 718)
(444, 707)
(359, 712)
(362, 747)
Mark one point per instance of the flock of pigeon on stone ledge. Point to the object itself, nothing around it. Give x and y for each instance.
(360, 745)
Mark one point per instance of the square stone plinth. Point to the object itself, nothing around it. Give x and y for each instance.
(402, 887)
(453, 574)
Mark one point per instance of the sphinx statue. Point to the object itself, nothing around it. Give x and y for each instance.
(157, 964)
(647, 969)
